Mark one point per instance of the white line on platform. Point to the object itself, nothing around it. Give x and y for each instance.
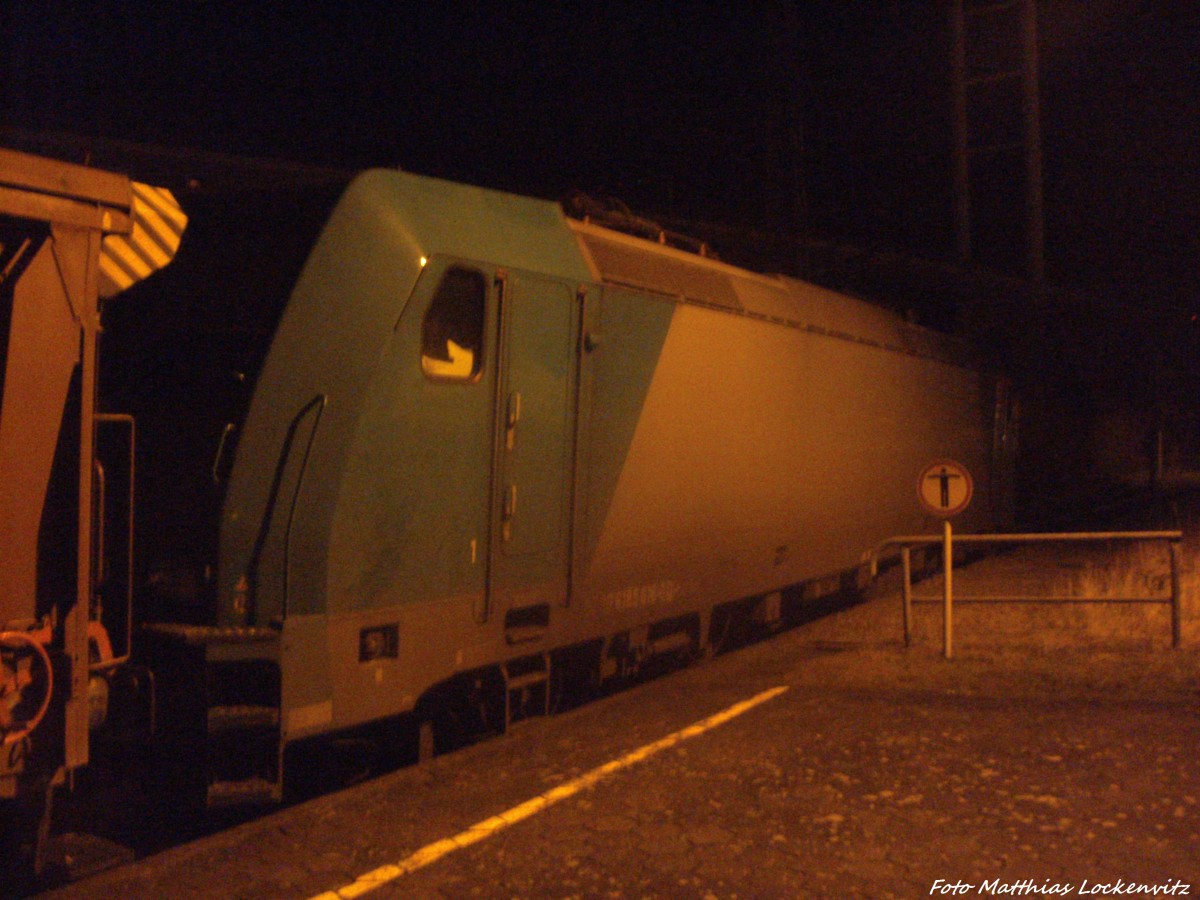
(480, 830)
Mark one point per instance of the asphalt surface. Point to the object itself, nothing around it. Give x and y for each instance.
(1022, 767)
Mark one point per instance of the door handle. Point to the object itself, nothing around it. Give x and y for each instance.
(508, 510)
(512, 418)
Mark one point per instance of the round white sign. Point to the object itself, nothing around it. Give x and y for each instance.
(945, 488)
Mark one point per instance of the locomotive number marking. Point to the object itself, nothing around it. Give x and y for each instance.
(642, 595)
(431, 853)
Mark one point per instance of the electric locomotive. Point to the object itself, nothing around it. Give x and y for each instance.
(489, 449)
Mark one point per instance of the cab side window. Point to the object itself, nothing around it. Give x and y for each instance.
(452, 330)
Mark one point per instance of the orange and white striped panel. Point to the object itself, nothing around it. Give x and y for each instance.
(158, 224)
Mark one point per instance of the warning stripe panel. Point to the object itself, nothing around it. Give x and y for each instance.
(158, 225)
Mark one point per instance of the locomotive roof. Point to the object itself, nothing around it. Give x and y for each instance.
(625, 260)
(433, 216)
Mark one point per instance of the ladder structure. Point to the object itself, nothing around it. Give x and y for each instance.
(226, 706)
(997, 135)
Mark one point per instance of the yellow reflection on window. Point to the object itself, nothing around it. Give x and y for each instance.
(452, 326)
(459, 364)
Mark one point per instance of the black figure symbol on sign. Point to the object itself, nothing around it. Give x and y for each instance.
(945, 488)
(943, 477)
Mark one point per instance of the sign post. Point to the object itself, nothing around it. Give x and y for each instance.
(945, 488)
(947, 589)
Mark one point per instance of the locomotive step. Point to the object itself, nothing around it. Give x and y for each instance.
(231, 718)
(670, 643)
(247, 791)
(529, 679)
(523, 681)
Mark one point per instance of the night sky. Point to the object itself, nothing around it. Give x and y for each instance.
(831, 117)
(830, 121)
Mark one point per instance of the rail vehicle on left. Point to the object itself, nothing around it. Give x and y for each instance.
(419, 457)
(70, 236)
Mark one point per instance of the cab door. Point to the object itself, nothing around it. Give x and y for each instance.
(534, 455)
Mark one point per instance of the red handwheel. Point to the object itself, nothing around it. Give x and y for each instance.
(12, 645)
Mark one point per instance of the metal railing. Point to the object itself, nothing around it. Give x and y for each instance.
(906, 543)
